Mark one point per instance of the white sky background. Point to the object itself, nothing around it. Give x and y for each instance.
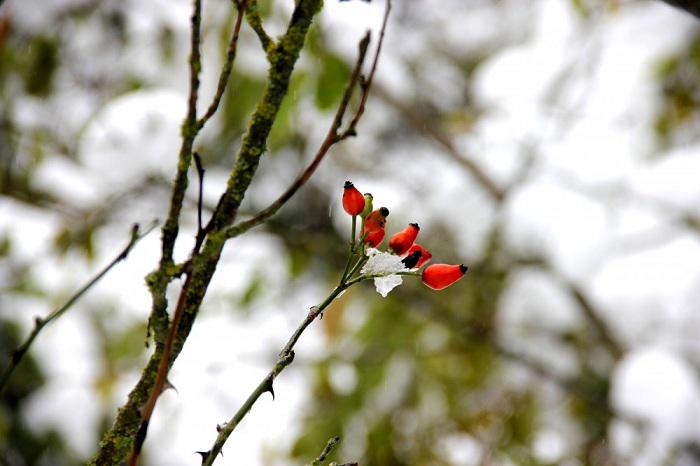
(649, 293)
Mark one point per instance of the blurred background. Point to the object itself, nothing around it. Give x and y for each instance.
(552, 145)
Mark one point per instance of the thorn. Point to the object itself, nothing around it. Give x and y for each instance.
(220, 427)
(168, 385)
(204, 454)
(269, 388)
(38, 321)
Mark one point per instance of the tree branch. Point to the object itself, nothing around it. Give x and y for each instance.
(430, 130)
(332, 137)
(367, 83)
(132, 421)
(252, 16)
(332, 443)
(189, 132)
(286, 356)
(40, 323)
(226, 69)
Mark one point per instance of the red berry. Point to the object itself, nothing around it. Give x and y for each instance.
(440, 276)
(376, 220)
(403, 240)
(416, 256)
(353, 200)
(374, 238)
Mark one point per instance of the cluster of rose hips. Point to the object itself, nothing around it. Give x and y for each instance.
(435, 276)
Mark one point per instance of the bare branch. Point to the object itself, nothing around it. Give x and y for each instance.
(367, 83)
(201, 232)
(202, 264)
(40, 323)
(227, 68)
(171, 228)
(430, 130)
(332, 443)
(332, 137)
(252, 16)
(189, 129)
(286, 356)
(595, 319)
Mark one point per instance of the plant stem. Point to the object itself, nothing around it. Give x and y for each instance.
(332, 443)
(286, 356)
(40, 323)
(362, 278)
(351, 254)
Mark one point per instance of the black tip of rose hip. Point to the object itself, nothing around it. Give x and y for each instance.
(411, 260)
(463, 268)
(348, 185)
(384, 211)
(415, 225)
(368, 194)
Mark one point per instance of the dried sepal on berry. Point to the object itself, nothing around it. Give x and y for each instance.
(416, 256)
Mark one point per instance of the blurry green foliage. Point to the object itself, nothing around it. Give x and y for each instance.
(679, 83)
(19, 445)
(42, 63)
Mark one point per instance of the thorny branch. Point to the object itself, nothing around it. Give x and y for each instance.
(286, 355)
(40, 323)
(130, 427)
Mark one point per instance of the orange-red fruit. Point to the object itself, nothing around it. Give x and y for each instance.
(374, 238)
(353, 200)
(416, 256)
(376, 220)
(440, 276)
(403, 240)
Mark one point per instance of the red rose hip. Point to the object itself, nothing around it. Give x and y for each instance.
(416, 256)
(403, 240)
(440, 276)
(353, 200)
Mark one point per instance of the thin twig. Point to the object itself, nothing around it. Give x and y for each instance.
(328, 142)
(332, 443)
(286, 356)
(201, 233)
(594, 317)
(332, 137)
(40, 323)
(172, 224)
(252, 16)
(227, 68)
(367, 83)
(427, 128)
(170, 232)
